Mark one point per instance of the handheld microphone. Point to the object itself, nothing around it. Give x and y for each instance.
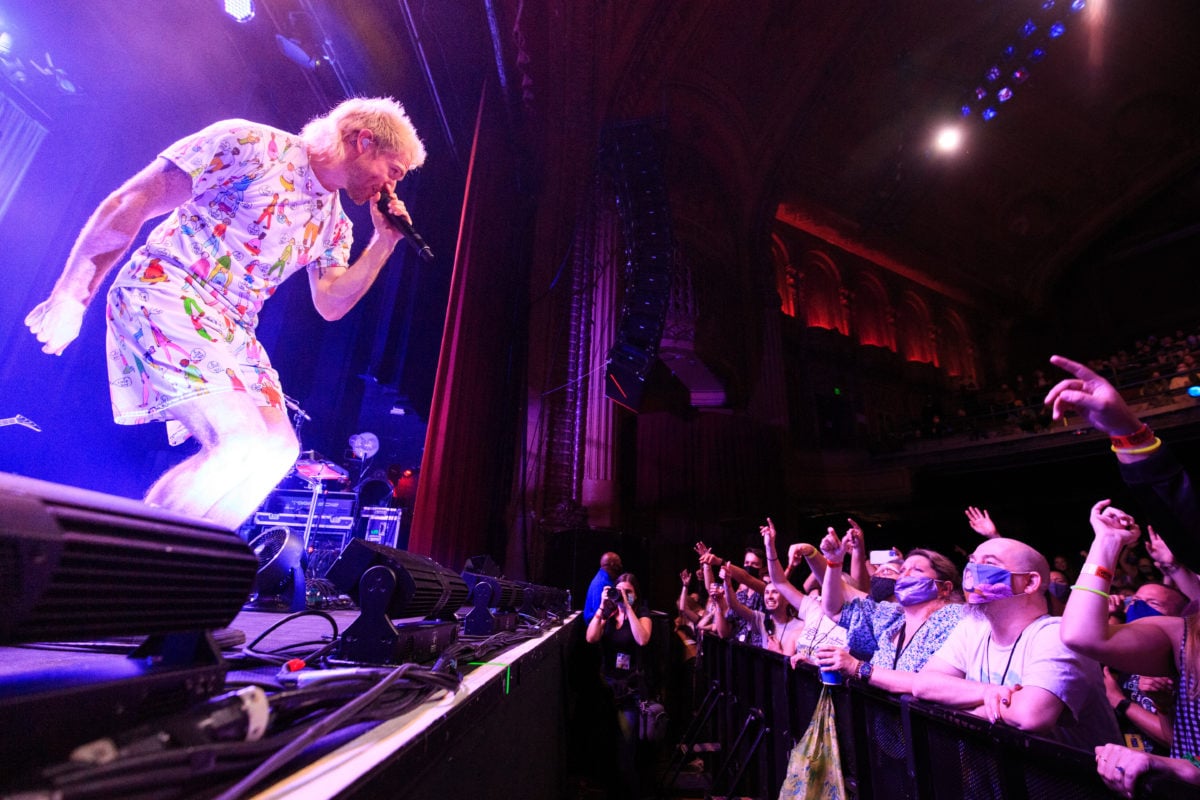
(401, 224)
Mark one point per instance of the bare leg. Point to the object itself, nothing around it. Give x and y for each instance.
(245, 451)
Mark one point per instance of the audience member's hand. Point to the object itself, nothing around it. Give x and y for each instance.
(1119, 767)
(710, 558)
(995, 698)
(837, 658)
(1158, 551)
(1116, 606)
(833, 547)
(1155, 684)
(854, 536)
(768, 536)
(1113, 524)
(1091, 396)
(702, 549)
(686, 577)
(981, 522)
(798, 552)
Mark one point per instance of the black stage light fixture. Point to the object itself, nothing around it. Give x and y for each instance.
(76, 564)
(494, 603)
(279, 585)
(83, 566)
(424, 588)
(391, 584)
(501, 592)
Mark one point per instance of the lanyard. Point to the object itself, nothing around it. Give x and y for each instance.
(987, 654)
(900, 643)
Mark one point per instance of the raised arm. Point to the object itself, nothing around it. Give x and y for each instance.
(778, 577)
(336, 290)
(735, 603)
(733, 571)
(832, 596)
(1163, 487)
(1095, 399)
(860, 576)
(1185, 580)
(797, 553)
(717, 592)
(981, 522)
(155, 190)
(689, 615)
(1143, 647)
(608, 607)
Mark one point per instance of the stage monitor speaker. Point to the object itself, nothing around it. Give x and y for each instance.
(424, 588)
(76, 564)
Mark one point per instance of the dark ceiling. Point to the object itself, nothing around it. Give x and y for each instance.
(827, 112)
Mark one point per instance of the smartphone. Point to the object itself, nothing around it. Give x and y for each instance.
(882, 557)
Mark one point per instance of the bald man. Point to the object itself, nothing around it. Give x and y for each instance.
(1006, 661)
(610, 568)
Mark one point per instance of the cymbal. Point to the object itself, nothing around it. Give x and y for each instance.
(321, 470)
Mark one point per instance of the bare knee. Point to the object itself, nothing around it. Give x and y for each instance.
(261, 455)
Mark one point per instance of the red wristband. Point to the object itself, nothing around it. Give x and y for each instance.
(1102, 572)
(1140, 438)
(829, 562)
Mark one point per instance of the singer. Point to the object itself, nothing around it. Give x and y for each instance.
(247, 206)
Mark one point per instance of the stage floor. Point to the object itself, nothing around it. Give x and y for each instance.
(66, 694)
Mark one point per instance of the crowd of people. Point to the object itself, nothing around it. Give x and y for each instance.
(1154, 371)
(1104, 655)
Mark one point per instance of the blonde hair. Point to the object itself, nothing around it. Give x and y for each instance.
(325, 136)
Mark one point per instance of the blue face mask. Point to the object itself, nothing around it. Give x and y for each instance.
(915, 589)
(983, 583)
(1059, 591)
(882, 588)
(1140, 608)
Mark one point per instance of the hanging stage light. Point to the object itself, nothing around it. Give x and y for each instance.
(241, 10)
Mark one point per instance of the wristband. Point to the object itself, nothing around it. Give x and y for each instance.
(1099, 570)
(1140, 438)
(1076, 586)
(776, 558)
(1122, 709)
(829, 562)
(1138, 451)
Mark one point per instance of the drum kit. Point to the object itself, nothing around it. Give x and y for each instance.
(321, 476)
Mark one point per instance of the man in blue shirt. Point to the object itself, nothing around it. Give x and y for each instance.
(610, 568)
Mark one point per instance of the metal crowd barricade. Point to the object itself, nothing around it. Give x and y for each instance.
(892, 747)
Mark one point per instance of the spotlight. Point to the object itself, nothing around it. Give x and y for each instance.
(948, 139)
(241, 10)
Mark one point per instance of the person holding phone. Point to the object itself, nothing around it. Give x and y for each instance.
(622, 627)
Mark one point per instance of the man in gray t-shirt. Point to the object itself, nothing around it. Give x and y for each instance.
(1006, 661)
